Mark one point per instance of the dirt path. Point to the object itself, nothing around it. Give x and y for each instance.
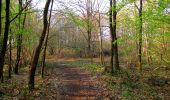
(77, 84)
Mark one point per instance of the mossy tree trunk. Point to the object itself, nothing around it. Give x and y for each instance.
(5, 39)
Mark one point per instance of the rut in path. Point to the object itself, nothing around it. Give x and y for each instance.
(77, 84)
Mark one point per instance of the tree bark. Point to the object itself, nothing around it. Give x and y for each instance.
(46, 42)
(111, 33)
(38, 48)
(19, 41)
(140, 36)
(19, 37)
(0, 18)
(114, 45)
(101, 42)
(89, 31)
(10, 55)
(115, 37)
(4, 45)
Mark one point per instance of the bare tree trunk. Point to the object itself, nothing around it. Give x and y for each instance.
(140, 36)
(101, 42)
(89, 31)
(19, 41)
(0, 18)
(10, 56)
(4, 45)
(38, 48)
(89, 45)
(111, 33)
(46, 42)
(115, 37)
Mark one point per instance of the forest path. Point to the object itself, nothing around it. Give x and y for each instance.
(77, 84)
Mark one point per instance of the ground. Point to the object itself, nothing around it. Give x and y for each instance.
(62, 82)
(75, 79)
(77, 84)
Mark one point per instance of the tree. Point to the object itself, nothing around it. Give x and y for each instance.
(0, 17)
(115, 37)
(5, 39)
(89, 29)
(19, 40)
(38, 48)
(101, 41)
(10, 55)
(111, 32)
(114, 45)
(46, 42)
(140, 36)
(19, 36)
(87, 16)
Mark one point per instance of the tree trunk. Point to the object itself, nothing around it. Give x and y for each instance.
(38, 48)
(101, 43)
(115, 37)
(0, 18)
(114, 45)
(111, 33)
(10, 56)
(19, 39)
(4, 45)
(140, 36)
(46, 43)
(89, 31)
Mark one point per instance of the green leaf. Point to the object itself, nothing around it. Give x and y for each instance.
(119, 41)
(167, 34)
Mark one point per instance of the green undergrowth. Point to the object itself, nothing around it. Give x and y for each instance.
(93, 68)
(126, 84)
(84, 64)
(130, 86)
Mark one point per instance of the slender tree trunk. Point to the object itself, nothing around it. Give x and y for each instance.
(101, 43)
(89, 45)
(115, 37)
(46, 42)
(10, 56)
(0, 18)
(38, 48)
(140, 36)
(4, 45)
(111, 33)
(114, 45)
(19, 39)
(89, 30)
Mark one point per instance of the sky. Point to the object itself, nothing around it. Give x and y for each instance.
(39, 4)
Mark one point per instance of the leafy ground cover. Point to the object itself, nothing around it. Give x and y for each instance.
(125, 85)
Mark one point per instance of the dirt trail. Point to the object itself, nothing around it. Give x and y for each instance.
(78, 84)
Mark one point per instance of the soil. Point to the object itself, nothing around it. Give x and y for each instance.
(74, 83)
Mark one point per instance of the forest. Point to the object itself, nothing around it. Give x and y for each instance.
(84, 49)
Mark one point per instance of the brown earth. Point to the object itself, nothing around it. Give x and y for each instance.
(77, 84)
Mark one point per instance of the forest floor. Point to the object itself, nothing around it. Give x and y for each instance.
(77, 79)
(74, 83)
(61, 82)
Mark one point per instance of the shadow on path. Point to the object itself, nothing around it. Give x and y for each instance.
(78, 84)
